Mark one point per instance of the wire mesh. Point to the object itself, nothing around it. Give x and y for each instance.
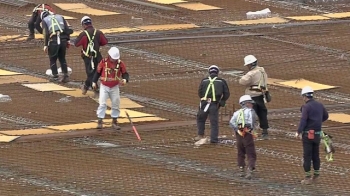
(166, 67)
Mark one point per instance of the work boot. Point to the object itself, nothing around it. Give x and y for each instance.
(115, 124)
(199, 137)
(249, 174)
(315, 177)
(99, 124)
(307, 181)
(30, 37)
(65, 78)
(265, 134)
(53, 78)
(84, 89)
(241, 171)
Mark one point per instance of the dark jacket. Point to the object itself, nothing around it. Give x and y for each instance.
(99, 39)
(221, 89)
(64, 36)
(36, 15)
(313, 114)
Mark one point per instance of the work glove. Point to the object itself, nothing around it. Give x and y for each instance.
(123, 82)
(94, 86)
(45, 48)
(297, 135)
(222, 103)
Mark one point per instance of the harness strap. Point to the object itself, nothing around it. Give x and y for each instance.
(327, 144)
(242, 130)
(108, 71)
(262, 79)
(211, 85)
(90, 47)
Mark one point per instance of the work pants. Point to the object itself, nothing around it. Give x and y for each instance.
(105, 93)
(90, 71)
(55, 52)
(246, 146)
(213, 113)
(261, 111)
(311, 150)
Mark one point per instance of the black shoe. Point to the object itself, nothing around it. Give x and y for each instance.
(99, 124)
(30, 37)
(115, 124)
(54, 78)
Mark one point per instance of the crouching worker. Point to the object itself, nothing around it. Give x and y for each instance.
(56, 41)
(243, 123)
(35, 19)
(112, 73)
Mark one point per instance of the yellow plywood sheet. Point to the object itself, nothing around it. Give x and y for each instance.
(132, 114)
(9, 37)
(135, 120)
(167, 1)
(71, 6)
(125, 103)
(79, 126)
(305, 18)
(6, 138)
(21, 79)
(301, 83)
(94, 12)
(65, 17)
(76, 93)
(273, 20)
(8, 73)
(167, 27)
(339, 117)
(29, 132)
(118, 30)
(45, 87)
(338, 15)
(197, 6)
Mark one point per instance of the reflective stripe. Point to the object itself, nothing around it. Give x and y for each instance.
(241, 117)
(211, 85)
(90, 46)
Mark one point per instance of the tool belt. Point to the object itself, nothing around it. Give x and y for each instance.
(243, 130)
(109, 79)
(257, 88)
(311, 134)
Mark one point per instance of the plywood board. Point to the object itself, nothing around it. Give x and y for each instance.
(132, 114)
(46, 87)
(167, 1)
(301, 83)
(21, 79)
(118, 30)
(29, 132)
(6, 138)
(339, 117)
(94, 12)
(273, 20)
(306, 18)
(71, 6)
(69, 127)
(135, 120)
(76, 93)
(338, 15)
(167, 27)
(65, 17)
(197, 6)
(8, 73)
(5, 38)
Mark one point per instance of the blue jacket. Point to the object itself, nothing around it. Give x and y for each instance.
(313, 114)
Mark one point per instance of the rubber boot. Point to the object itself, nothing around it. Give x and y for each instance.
(115, 124)
(30, 37)
(99, 123)
(241, 171)
(265, 134)
(65, 78)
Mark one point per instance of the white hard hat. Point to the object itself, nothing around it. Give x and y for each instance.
(85, 19)
(114, 53)
(245, 98)
(249, 60)
(213, 68)
(307, 90)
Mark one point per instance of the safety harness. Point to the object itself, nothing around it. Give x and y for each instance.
(41, 8)
(205, 98)
(242, 128)
(260, 87)
(90, 48)
(327, 142)
(108, 71)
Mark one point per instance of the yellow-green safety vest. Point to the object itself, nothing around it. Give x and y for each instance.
(90, 46)
(211, 85)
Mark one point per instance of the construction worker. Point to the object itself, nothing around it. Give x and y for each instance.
(243, 123)
(56, 41)
(256, 86)
(90, 39)
(213, 93)
(35, 19)
(112, 73)
(312, 117)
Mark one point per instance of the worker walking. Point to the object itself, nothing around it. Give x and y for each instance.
(312, 117)
(256, 86)
(243, 123)
(112, 73)
(213, 92)
(56, 42)
(90, 39)
(35, 19)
